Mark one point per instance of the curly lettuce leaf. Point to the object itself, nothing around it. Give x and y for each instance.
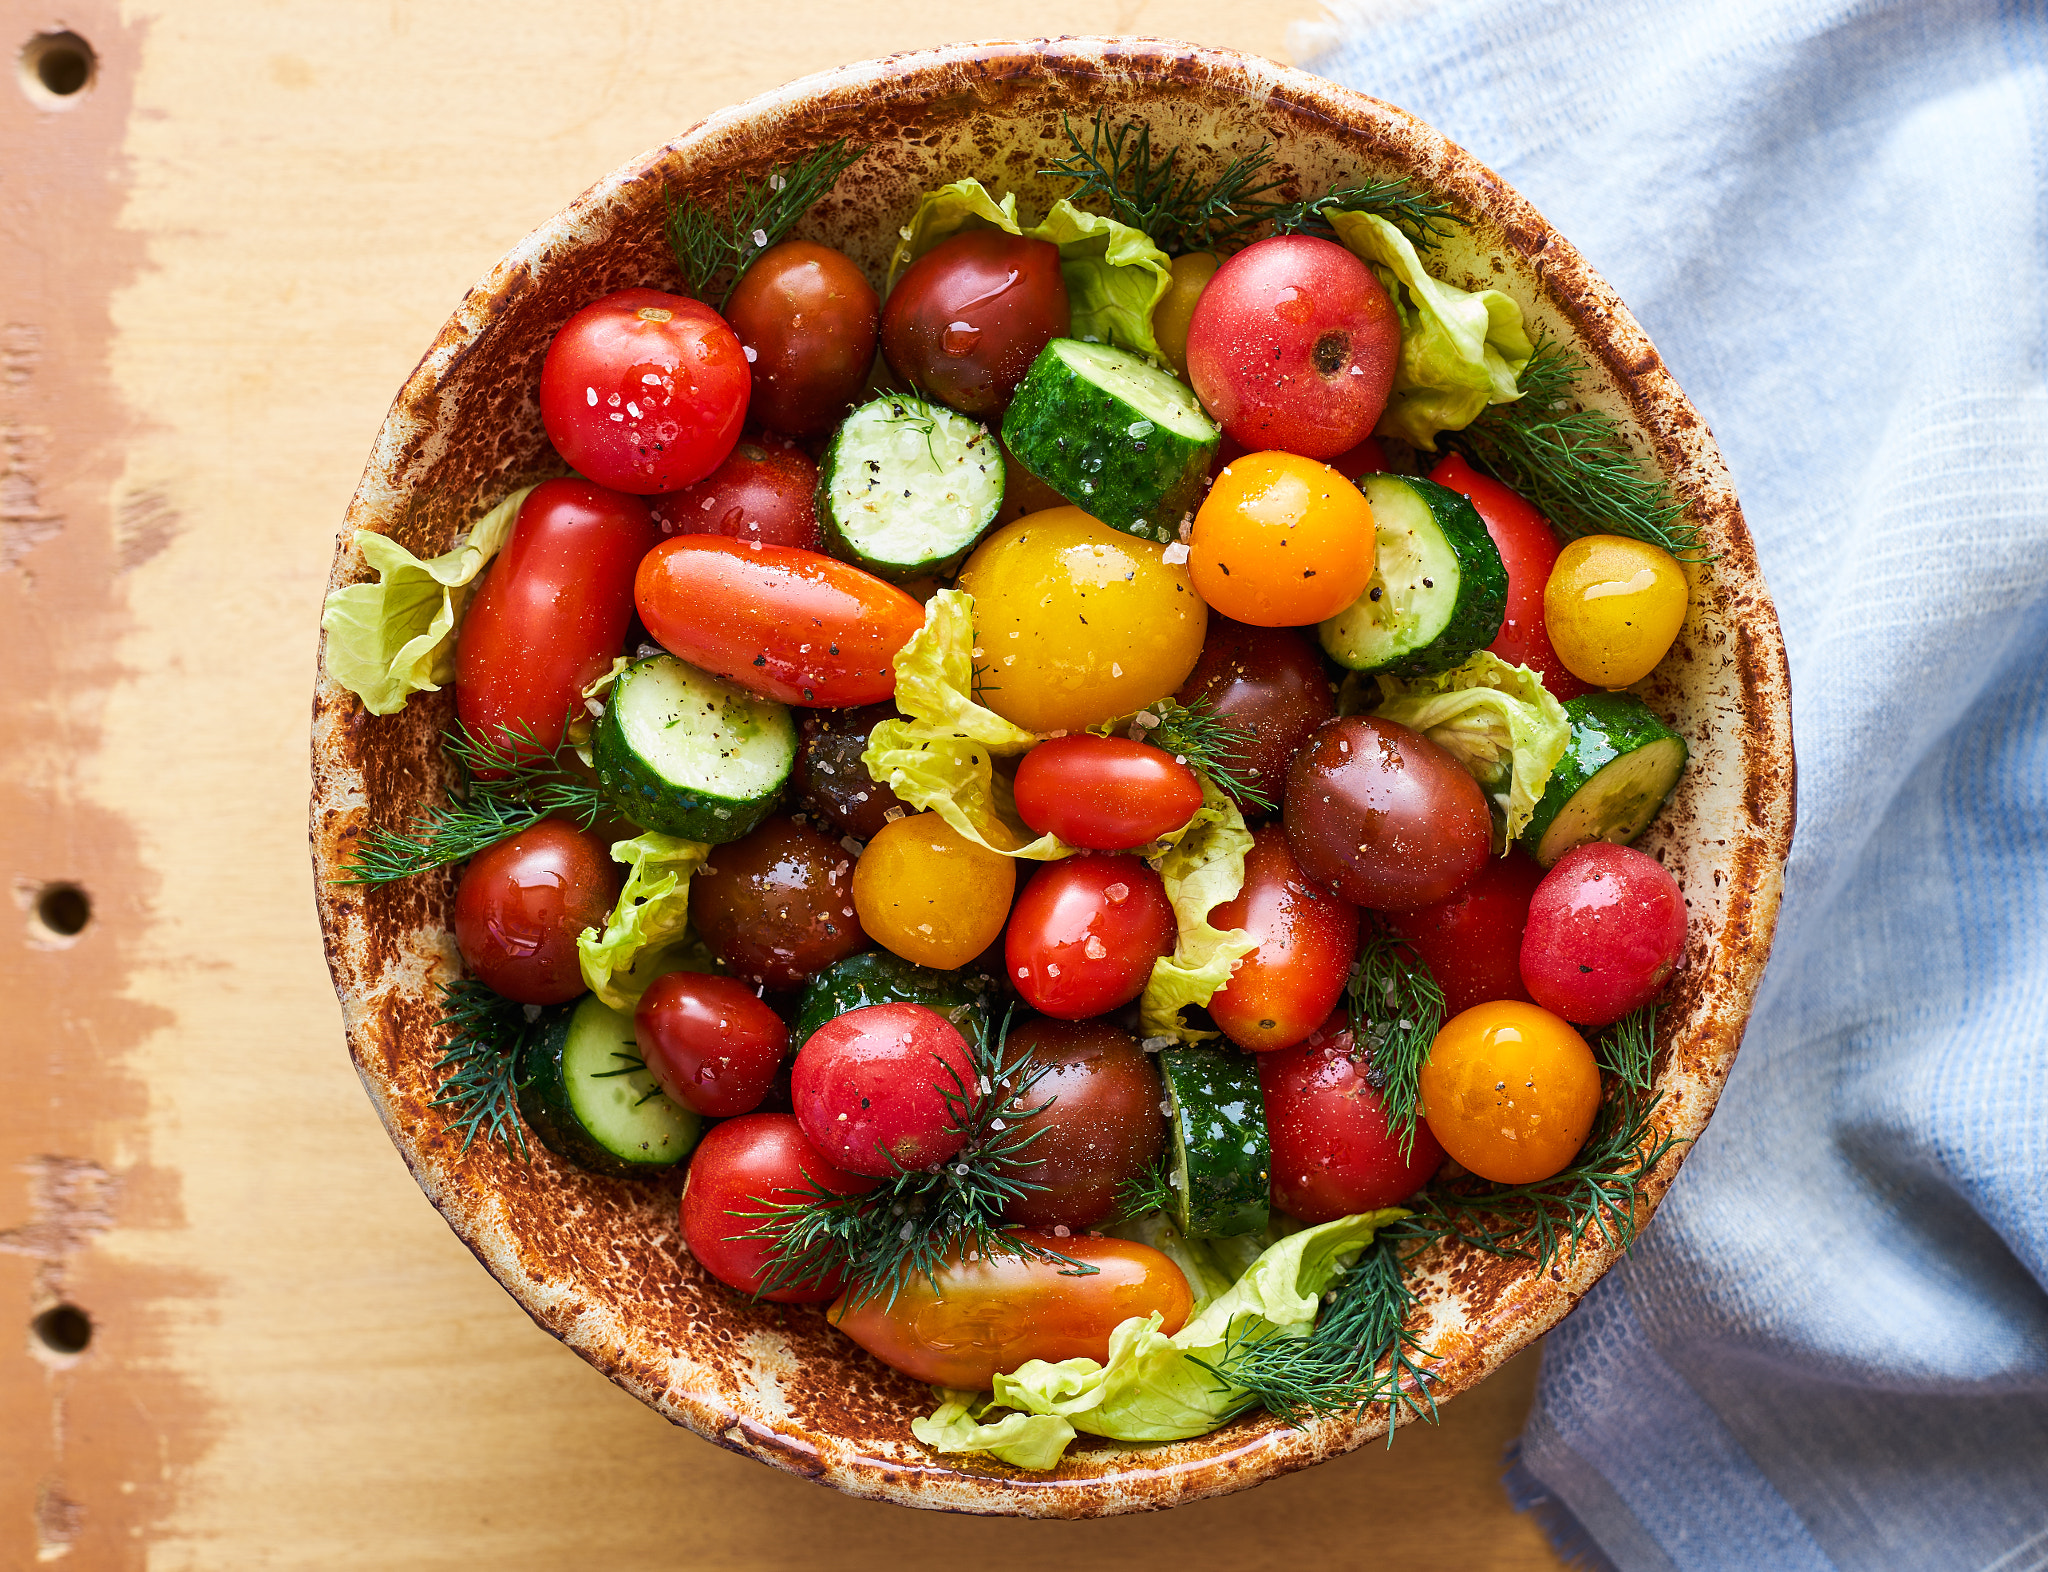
(1499, 721)
(1201, 870)
(1460, 350)
(946, 212)
(1114, 274)
(647, 932)
(1033, 1441)
(395, 637)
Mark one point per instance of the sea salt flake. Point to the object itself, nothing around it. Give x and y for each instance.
(1174, 555)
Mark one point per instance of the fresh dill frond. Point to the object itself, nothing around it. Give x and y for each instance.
(1572, 464)
(1148, 1190)
(488, 1036)
(1397, 1008)
(1118, 171)
(1427, 221)
(1629, 1047)
(1200, 738)
(713, 248)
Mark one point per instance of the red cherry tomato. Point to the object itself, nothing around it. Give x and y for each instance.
(1368, 458)
(710, 1042)
(552, 611)
(1084, 934)
(765, 491)
(1333, 1151)
(810, 318)
(1606, 930)
(786, 624)
(1383, 816)
(1268, 683)
(1096, 1122)
(967, 318)
(1307, 941)
(521, 904)
(748, 1165)
(1104, 793)
(644, 392)
(1472, 939)
(1528, 550)
(869, 1088)
(995, 1313)
(1293, 346)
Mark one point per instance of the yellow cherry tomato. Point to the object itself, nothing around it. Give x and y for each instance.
(927, 892)
(1510, 1090)
(1076, 623)
(1282, 541)
(1612, 607)
(1176, 308)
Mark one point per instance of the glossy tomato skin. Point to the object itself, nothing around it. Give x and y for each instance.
(1333, 1152)
(777, 905)
(1606, 930)
(644, 392)
(1307, 937)
(1382, 816)
(1528, 550)
(1368, 458)
(790, 625)
(1471, 940)
(810, 318)
(765, 491)
(967, 318)
(1097, 1122)
(521, 904)
(869, 1088)
(1084, 934)
(552, 610)
(1270, 684)
(1293, 346)
(1282, 541)
(1613, 606)
(747, 1165)
(710, 1042)
(829, 776)
(994, 1314)
(1510, 1090)
(1104, 793)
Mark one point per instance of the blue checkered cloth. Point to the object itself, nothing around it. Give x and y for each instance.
(1831, 1348)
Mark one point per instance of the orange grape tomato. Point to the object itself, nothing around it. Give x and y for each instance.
(988, 1315)
(930, 894)
(1282, 541)
(1510, 1090)
(1613, 606)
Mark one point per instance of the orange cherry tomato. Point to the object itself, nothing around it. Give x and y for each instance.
(1282, 541)
(991, 1315)
(1510, 1090)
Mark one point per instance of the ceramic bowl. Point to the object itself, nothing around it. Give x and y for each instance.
(599, 1262)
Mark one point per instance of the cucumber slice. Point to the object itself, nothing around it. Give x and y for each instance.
(908, 487)
(1114, 434)
(878, 977)
(1439, 590)
(587, 1095)
(1620, 767)
(1222, 1162)
(681, 752)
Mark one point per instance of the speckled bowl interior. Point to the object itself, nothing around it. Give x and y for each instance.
(599, 1262)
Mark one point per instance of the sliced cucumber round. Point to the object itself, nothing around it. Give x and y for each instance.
(1620, 767)
(1222, 1162)
(1114, 434)
(684, 753)
(907, 487)
(878, 977)
(586, 1093)
(1439, 589)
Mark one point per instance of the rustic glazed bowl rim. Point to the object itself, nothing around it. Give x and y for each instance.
(1638, 386)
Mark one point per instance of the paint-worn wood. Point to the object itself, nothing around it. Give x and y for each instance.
(216, 265)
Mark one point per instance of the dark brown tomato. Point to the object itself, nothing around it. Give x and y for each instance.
(1308, 939)
(1271, 685)
(1383, 816)
(766, 491)
(521, 904)
(829, 776)
(809, 319)
(777, 906)
(964, 323)
(1098, 1108)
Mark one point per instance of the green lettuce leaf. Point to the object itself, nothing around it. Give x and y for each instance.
(1034, 1441)
(395, 637)
(1460, 350)
(1202, 870)
(946, 212)
(1114, 274)
(647, 932)
(1499, 721)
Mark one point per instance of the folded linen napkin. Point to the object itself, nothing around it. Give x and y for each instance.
(1831, 1347)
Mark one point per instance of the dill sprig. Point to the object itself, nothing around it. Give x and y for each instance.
(714, 248)
(1197, 736)
(1119, 171)
(488, 1037)
(917, 1220)
(1148, 1190)
(1427, 221)
(512, 783)
(1629, 1047)
(1574, 465)
(1397, 1008)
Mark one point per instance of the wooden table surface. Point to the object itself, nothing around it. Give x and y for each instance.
(217, 264)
